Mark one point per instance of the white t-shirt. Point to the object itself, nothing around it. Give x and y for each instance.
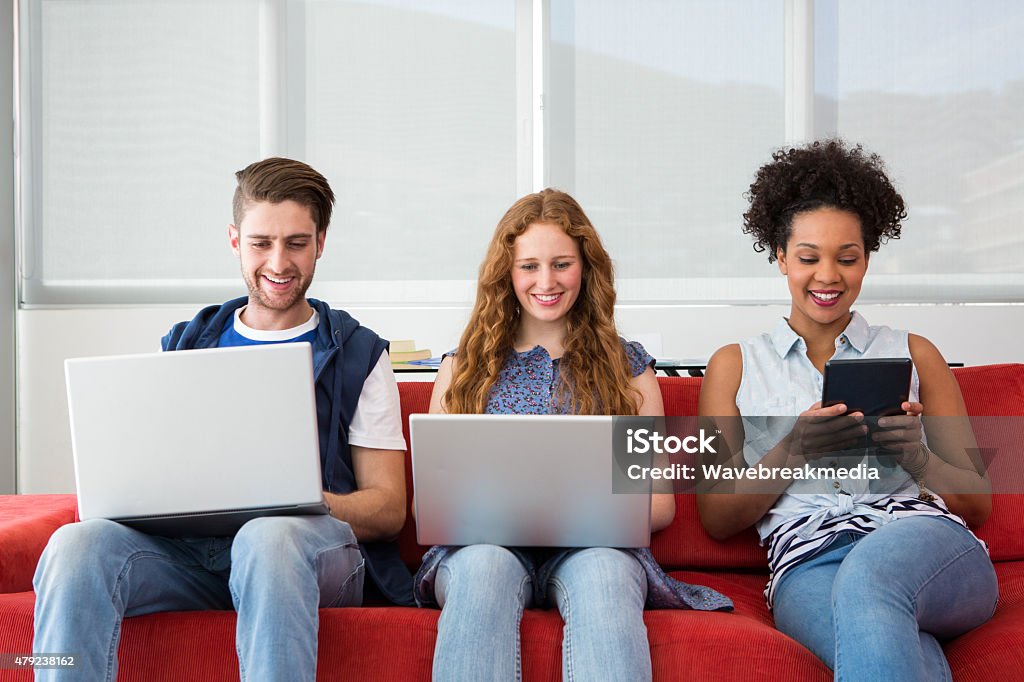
(377, 422)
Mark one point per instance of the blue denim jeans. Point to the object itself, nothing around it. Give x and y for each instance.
(275, 572)
(483, 589)
(874, 607)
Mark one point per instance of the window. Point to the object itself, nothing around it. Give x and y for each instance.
(939, 94)
(411, 112)
(422, 113)
(135, 113)
(131, 115)
(660, 113)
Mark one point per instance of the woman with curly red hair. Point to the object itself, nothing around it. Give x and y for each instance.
(542, 340)
(868, 575)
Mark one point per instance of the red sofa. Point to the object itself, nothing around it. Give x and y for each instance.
(393, 643)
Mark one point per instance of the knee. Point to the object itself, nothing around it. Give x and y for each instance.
(477, 571)
(271, 536)
(601, 578)
(84, 543)
(263, 535)
(483, 563)
(86, 548)
(604, 561)
(286, 545)
(600, 569)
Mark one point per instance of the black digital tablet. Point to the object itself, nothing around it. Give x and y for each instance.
(873, 386)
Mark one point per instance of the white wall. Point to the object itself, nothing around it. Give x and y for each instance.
(972, 334)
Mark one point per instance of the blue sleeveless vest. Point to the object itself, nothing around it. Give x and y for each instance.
(344, 353)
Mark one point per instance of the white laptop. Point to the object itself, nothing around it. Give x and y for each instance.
(522, 481)
(195, 442)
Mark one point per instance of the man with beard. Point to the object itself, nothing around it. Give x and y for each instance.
(276, 571)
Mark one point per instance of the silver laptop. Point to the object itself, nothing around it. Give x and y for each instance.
(521, 481)
(195, 442)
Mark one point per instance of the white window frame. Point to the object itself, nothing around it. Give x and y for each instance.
(8, 260)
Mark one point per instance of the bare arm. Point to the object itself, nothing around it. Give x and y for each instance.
(722, 513)
(728, 507)
(950, 465)
(954, 470)
(376, 511)
(663, 505)
(441, 383)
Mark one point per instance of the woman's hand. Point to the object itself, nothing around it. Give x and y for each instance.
(901, 436)
(820, 431)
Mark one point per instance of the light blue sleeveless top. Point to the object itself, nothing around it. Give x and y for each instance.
(779, 382)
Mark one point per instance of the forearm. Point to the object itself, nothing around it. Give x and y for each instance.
(974, 508)
(729, 506)
(663, 510)
(965, 491)
(947, 478)
(374, 515)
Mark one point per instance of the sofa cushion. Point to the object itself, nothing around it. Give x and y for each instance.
(16, 630)
(992, 390)
(679, 394)
(1002, 531)
(397, 643)
(693, 645)
(685, 544)
(993, 651)
(415, 397)
(994, 395)
(26, 524)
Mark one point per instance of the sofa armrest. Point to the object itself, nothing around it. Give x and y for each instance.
(26, 524)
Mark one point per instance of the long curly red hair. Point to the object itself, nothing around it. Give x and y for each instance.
(595, 374)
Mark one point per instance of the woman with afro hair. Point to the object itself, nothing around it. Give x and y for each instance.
(542, 340)
(868, 575)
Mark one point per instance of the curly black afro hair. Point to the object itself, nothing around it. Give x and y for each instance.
(824, 174)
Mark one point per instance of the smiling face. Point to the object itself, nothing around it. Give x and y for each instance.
(546, 273)
(277, 246)
(824, 264)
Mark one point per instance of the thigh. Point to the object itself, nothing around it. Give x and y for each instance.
(476, 571)
(599, 574)
(803, 600)
(600, 593)
(935, 564)
(304, 536)
(273, 549)
(146, 573)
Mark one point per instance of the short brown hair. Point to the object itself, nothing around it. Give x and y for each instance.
(276, 180)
